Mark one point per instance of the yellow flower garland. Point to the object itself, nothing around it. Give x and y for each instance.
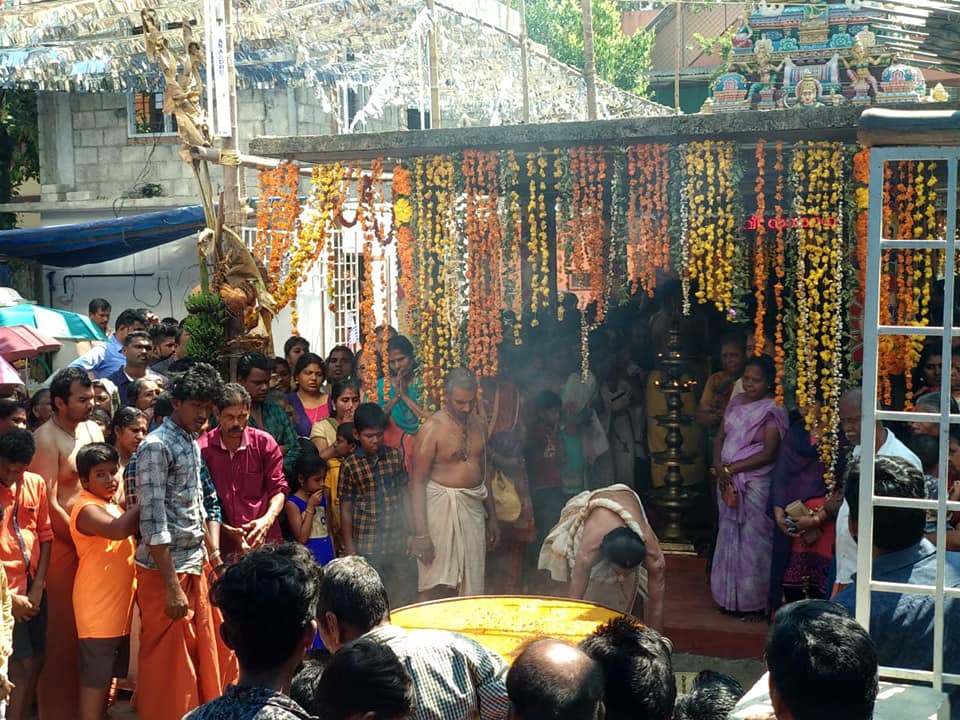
(317, 220)
(712, 233)
(538, 245)
(818, 197)
(436, 328)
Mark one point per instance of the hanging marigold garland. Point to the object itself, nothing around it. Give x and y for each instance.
(315, 224)
(369, 191)
(278, 210)
(512, 224)
(910, 212)
(648, 219)
(779, 270)
(437, 273)
(818, 199)
(760, 260)
(563, 185)
(925, 227)
(716, 263)
(483, 234)
(588, 243)
(278, 215)
(403, 232)
(538, 246)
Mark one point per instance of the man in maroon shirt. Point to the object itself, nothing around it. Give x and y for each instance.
(246, 465)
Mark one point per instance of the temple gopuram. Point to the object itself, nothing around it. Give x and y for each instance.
(814, 55)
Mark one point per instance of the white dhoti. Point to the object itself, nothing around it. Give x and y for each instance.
(457, 523)
(608, 587)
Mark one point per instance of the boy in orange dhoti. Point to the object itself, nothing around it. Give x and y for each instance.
(103, 591)
(179, 667)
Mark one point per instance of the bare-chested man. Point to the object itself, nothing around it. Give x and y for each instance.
(453, 511)
(604, 536)
(58, 441)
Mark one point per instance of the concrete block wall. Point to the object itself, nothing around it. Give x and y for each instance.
(86, 150)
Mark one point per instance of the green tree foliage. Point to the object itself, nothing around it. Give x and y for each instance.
(620, 60)
(19, 157)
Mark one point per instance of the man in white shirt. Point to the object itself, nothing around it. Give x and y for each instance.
(887, 444)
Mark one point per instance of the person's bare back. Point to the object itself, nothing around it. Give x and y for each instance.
(457, 450)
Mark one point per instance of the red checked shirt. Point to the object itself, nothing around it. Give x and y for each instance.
(247, 479)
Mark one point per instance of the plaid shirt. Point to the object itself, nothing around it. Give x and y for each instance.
(170, 497)
(377, 488)
(453, 676)
(211, 502)
(277, 423)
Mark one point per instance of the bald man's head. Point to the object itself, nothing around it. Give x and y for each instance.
(551, 679)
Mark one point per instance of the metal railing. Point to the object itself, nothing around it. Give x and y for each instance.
(876, 245)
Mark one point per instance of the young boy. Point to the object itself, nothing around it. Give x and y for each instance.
(375, 514)
(103, 592)
(345, 445)
(25, 541)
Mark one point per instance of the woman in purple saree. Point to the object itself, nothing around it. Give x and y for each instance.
(744, 454)
(801, 562)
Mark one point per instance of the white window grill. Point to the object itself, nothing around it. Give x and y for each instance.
(871, 413)
(346, 288)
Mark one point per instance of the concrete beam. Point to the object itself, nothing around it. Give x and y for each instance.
(825, 123)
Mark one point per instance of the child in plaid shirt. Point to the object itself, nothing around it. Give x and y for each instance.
(375, 514)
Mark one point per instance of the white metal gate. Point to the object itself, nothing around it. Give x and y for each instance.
(871, 412)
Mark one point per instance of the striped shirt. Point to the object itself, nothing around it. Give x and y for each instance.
(454, 677)
(170, 497)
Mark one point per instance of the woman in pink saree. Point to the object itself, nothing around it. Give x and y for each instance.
(744, 454)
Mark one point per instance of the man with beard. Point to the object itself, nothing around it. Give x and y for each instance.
(247, 469)
(58, 441)
(453, 511)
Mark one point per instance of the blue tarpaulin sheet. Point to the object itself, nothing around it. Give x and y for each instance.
(83, 243)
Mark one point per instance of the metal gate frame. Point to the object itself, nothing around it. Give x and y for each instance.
(876, 244)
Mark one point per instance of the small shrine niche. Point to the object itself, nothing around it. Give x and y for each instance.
(810, 56)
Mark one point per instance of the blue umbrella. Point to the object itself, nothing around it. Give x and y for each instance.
(50, 321)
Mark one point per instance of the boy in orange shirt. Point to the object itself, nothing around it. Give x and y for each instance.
(25, 541)
(103, 592)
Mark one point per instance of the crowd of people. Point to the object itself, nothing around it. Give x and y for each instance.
(191, 535)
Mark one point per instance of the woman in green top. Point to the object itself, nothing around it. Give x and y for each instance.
(403, 404)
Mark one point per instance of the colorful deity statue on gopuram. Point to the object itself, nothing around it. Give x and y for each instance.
(788, 56)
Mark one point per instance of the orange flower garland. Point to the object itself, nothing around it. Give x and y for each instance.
(403, 232)
(278, 210)
(647, 217)
(760, 266)
(483, 232)
(588, 170)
